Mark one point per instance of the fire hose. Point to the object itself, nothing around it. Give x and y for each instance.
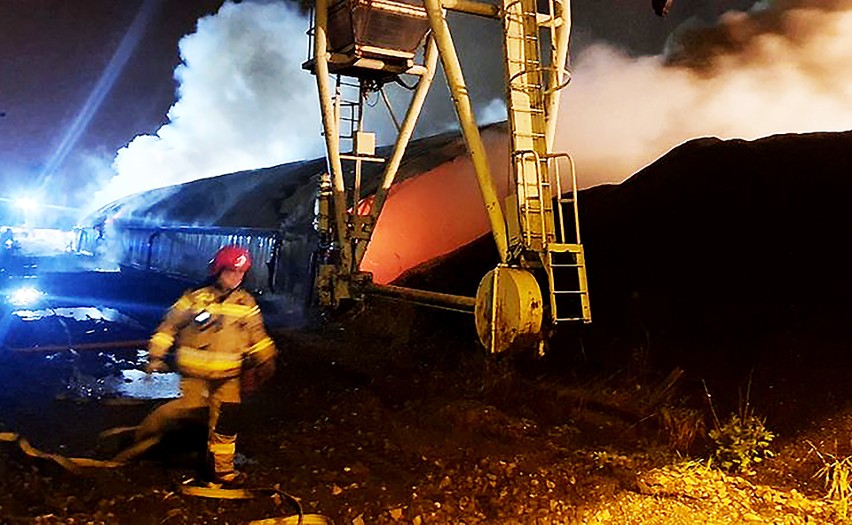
(75, 465)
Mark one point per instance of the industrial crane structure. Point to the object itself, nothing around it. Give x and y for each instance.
(360, 45)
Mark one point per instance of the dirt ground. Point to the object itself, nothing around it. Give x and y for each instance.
(393, 415)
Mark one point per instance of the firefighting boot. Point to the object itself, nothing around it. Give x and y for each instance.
(222, 449)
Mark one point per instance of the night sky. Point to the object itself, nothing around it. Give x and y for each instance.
(52, 54)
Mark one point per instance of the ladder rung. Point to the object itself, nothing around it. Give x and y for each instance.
(565, 265)
(571, 292)
(536, 196)
(524, 61)
(531, 38)
(530, 110)
(523, 14)
(526, 38)
(364, 158)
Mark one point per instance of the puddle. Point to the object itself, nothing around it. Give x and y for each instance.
(136, 384)
(128, 384)
(79, 314)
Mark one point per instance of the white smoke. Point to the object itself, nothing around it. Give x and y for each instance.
(243, 103)
(781, 69)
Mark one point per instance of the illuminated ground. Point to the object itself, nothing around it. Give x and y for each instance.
(721, 270)
(404, 421)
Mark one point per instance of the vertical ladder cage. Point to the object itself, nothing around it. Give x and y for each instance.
(543, 207)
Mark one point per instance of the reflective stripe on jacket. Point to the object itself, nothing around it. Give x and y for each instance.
(214, 333)
(206, 364)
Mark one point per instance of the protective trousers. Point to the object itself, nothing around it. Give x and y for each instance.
(222, 398)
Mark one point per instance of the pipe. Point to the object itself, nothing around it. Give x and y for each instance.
(275, 257)
(459, 302)
(472, 7)
(138, 343)
(332, 135)
(150, 255)
(461, 98)
(561, 34)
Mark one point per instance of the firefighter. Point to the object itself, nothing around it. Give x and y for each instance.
(217, 335)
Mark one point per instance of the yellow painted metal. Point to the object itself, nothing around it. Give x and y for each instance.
(534, 81)
(535, 201)
(528, 121)
(581, 310)
(472, 7)
(536, 232)
(509, 309)
(568, 241)
(332, 136)
(349, 230)
(461, 98)
(560, 32)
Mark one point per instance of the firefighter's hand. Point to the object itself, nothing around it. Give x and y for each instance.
(264, 371)
(156, 365)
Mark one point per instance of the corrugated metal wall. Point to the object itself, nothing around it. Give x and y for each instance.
(281, 259)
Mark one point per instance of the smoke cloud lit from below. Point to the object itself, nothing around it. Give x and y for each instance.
(787, 75)
(243, 103)
(753, 75)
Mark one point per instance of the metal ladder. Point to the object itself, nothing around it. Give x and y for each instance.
(349, 109)
(536, 171)
(565, 258)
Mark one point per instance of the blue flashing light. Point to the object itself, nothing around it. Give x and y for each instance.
(25, 296)
(26, 203)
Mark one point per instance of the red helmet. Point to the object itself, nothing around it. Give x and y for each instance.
(230, 258)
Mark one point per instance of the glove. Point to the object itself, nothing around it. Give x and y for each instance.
(255, 376)
(156, 365)
(264, 371)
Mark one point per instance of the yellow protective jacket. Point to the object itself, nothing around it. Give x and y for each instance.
(215, 334)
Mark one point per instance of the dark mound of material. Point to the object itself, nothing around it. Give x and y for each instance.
(713, 221)
(748, 228)
(736, 251)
